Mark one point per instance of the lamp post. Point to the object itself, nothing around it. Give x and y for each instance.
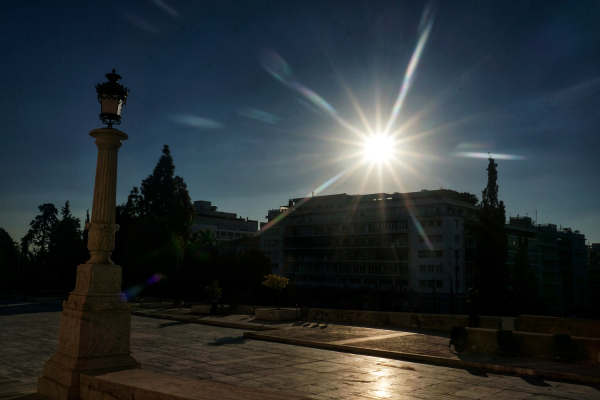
(95, 323)
(453, 288)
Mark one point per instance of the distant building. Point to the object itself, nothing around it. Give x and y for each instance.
(227, 226)
(376, 248)
(594, 276)
(243, 244)
(559, 260)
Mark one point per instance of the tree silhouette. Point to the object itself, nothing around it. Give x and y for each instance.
(165, 195)
(36, 243)
(65, 249)
(51, 250)
(9, 261)
(491, 272)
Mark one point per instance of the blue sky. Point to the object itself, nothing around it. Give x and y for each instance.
(263, 101)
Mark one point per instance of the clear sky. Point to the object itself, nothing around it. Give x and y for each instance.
(263, 101)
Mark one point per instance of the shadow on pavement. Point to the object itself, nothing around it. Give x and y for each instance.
(228, 340)
(176, 323)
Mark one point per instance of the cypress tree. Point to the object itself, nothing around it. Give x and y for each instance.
(492, 246)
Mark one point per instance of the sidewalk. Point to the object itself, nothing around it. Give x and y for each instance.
(387, 342)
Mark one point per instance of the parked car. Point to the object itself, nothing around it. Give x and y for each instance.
(404, 306)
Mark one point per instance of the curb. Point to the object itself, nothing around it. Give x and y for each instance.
(199, 320)
(428, 359)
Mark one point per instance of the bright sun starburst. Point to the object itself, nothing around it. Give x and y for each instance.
(379, 148)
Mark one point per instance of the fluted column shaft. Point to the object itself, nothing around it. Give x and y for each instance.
(102, 228)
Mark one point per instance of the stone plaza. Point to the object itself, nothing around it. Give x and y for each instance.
(29, 336)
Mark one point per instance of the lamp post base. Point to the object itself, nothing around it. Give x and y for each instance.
(94, 335)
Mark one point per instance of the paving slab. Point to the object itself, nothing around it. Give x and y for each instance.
(430, 348)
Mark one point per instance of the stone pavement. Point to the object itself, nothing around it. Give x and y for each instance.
(29, 335)
(414, 344)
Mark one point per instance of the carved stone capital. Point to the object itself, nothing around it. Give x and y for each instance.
(108, 138)
(101, 242)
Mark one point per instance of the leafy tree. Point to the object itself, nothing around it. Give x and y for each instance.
(276, 283)
(36, 244)
(213, 291)
(127, 216)
(165, 194)
(65, 249)
(491, 273)
(9, 261)
(85, 254)
(468, 197)
(151, 248)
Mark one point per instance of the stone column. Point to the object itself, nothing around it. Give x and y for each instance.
(95, 322)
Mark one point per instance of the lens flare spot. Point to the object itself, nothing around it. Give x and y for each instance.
(379, 148)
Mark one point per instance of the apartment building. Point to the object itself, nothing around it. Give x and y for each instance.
(594, 277)
(559, 260)
(227, 226)
(376, 248)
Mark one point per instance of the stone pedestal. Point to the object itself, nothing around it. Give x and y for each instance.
(94, 333)
(95, 323)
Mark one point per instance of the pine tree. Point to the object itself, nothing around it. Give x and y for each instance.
(65, 249)
(165, 195)
(491, 273)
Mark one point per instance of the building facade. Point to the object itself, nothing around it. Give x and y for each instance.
(227, 226)
(594, 278)
(559, 260)
(376, 248)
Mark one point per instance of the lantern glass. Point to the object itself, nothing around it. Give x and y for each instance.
(111, 105)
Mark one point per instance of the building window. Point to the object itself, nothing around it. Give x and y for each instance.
(422, 283)
(430, 253)
(456, 238)
(456, 223)
(422, 268)
(439, 268)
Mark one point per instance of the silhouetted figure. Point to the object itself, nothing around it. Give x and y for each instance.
(473, 307)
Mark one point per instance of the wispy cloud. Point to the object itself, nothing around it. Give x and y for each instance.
(196, 122)
(168, 9)
(259, 115)
(140, 23)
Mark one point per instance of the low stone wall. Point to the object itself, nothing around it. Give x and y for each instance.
(273, 314)
(443, 322)
(531, 344)
(554, 325)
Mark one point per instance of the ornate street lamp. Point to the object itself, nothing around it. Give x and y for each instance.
(95, 323)
(112, 97)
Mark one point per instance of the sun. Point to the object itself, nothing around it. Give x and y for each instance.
(378, 148)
